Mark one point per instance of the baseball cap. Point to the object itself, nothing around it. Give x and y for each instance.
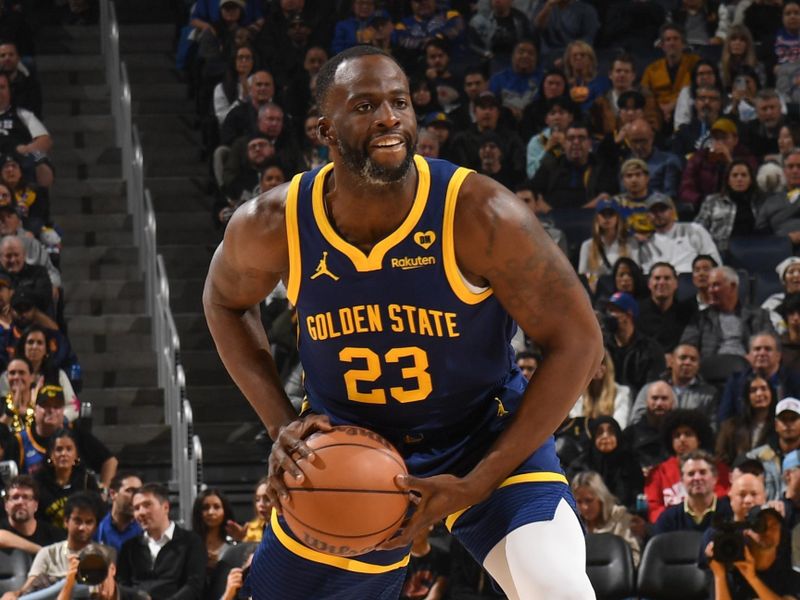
(724, 125)
(490, 137)
(634, 164)
(239, 3)
(563, 102)
(606, 204)
(437, 118)
(625, 302)
(487, 99)
(784, 265)
(12, 156)
(22, 300)
(630, 99)
(655, 199)
(51, 394)
(791, 460)
(792, 404)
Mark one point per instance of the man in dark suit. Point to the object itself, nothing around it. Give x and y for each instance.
(164, 560)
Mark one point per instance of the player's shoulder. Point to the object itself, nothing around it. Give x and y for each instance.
(482, 199)
(258, 227)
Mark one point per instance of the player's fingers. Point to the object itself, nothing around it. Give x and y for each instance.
(285, 462)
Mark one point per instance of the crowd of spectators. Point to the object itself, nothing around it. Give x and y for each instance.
(654, 139)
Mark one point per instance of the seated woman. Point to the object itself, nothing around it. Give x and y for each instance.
(33, 200)
(754, 427)
(682, 431)
(626, 276)
(253, 530)
(33, 346)
(62, 475)
(788, 271)
(20, 398)
(604, 396)
(609, 241)
(600, 511)
(732, 212)
(210, 513)
(580, 67)
(610, 457)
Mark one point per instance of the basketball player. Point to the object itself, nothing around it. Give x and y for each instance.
(408, 275)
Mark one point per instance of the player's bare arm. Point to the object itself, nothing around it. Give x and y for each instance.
(246, 267)
(500, 243)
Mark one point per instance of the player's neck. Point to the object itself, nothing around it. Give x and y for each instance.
(363, 214)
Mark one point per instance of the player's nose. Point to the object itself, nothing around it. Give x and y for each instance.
(386, 116)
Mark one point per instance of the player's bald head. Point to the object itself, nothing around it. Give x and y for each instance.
(327, 76)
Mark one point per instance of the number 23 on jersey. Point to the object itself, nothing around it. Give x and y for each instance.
(416, 386)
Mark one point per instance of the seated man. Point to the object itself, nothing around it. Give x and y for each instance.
(662, 315)
(21, 503)
(165, 560)
(699, 478)
(550, 140)
(643, 436)
(780, 213)
(725, 326)
(791, 497)
(688, 387)
(787, 440)
(665, 168)
(765, 571)
(34, 279)
(764, 356)
(638, 357)
(51, 564)
(695, 134)
(687, 241)
(119, 526)
(578, 178)
(108, 588)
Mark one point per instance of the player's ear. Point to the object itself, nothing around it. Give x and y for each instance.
(326, 131)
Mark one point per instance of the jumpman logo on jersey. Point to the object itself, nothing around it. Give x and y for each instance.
(322, 268)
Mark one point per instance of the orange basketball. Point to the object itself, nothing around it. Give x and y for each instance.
(348, 502)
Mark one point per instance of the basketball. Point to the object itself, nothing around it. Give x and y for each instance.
(348, 502)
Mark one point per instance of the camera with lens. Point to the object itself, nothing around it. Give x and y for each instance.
(93, 565)
(729, 539)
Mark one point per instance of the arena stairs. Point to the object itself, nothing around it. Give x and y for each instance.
(104, 291)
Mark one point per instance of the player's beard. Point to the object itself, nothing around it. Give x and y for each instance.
(358, 161)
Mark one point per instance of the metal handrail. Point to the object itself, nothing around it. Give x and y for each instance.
(186, 449)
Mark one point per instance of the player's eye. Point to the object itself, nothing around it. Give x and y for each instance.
(364, 108)
(401, 103)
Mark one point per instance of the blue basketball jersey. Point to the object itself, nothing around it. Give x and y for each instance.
(395, 340)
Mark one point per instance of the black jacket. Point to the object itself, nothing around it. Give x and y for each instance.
(178, 572)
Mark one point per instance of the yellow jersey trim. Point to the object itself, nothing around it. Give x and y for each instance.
(373, 261)
(340, 562)
(454, 277)
(293, 239)
(538, 477)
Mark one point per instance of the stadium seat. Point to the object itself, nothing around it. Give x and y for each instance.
(765, 283)
(14, 567)
(686, 289)
(716, 369)
(758, 253)
(669, 570)
(576, 223)
(609, 565)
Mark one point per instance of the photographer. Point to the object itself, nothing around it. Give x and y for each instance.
(759, 565)
(96, 568)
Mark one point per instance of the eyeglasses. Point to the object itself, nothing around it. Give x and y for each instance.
(20, 498)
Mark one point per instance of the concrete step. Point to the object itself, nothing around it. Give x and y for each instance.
(87, 342)
(117, 437)
(82, 124)
(117, 376)
(54, 91)
(123, 397)
(122, 360)
(101, 256)
(99, 272)
(68, 156)
(105, 306)
(110, 289)
(193, 331)
(109, 324)
(89, 204)
(79, 224)
(81, 188)
(64, 108)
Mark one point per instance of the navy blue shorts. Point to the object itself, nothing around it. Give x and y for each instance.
(285, 569)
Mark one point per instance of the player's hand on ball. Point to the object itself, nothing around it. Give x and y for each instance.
(435, 498)
(288, 445)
